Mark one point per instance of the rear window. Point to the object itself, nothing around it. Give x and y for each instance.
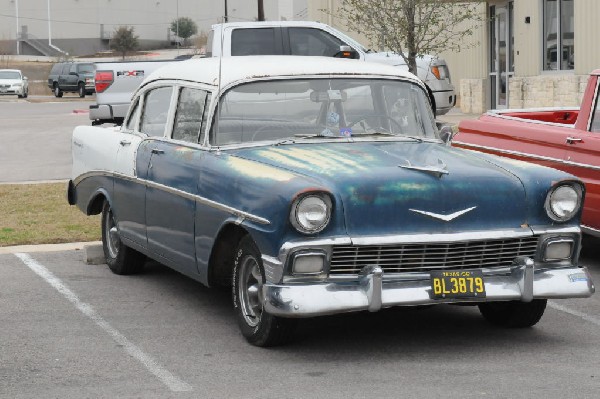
(85, 68)
(260, 41)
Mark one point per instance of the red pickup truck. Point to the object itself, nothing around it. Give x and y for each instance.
(562, 138)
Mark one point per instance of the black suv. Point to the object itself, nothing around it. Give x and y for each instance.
(76, 77)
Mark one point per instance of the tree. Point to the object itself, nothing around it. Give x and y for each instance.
(123, 40)
(412, 28)
(184, 27)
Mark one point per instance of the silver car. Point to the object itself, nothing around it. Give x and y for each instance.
(13, 82)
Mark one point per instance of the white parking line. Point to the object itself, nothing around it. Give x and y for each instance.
(171, 381)
(573, 312)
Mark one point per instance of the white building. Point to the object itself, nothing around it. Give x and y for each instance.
(81, 27)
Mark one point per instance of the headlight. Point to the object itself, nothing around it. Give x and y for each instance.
(563, 202)
(311, 213)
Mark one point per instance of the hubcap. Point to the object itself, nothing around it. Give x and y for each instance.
(112, 237)
(250, 291)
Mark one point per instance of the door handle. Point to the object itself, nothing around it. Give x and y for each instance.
(124, 142)
(571, 140)
(157, 151)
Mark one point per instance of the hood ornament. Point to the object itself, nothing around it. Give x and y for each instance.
(438, 171)
(445, 218)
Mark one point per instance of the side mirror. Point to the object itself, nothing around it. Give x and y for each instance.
(346, 52)
(446, 132)
(25, 78)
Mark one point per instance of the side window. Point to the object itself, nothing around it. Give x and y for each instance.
(313, 42)
(73, 68)
(189, 119)
(260, 41)
(595, 127)
(65, 69)
(56, 69)
(156, 111)
(133, 116)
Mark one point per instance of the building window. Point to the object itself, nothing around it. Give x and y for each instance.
(559, 43)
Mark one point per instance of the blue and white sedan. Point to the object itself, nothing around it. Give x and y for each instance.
(319, 186)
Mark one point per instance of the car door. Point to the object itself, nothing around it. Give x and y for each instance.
(312, 42)
(171, 179)
(129, 192)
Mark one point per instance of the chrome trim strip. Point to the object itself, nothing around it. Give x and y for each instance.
(590, 230)
(556, 230)
(180, 193)
(442, 237)
(528, 155)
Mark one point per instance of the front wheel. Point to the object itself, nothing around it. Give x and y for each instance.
(513, 313)
(120, 258)
(57, 91)
(81, 90)
(258, 327)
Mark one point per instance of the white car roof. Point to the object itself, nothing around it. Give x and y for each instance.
(237, 69)
(250, 24)
(10, 70)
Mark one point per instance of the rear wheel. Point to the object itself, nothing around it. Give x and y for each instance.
(81, 89)
(120, 258)
(513, 313)
(57, 91)
(258, 327)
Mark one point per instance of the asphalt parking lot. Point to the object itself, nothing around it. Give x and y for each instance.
(74, 330)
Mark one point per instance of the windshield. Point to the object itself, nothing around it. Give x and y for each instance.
(332, 108)
(10, 75)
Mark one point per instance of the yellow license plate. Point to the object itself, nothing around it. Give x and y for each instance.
(457, 284)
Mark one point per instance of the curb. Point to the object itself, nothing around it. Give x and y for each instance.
(93, 253)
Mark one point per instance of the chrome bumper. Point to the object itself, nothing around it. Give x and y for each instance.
(371, 293)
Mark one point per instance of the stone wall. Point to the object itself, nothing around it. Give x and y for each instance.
(546, 91)
(526, 92)
(472, 96)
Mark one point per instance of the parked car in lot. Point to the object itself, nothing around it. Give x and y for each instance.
(314, 186)
(12, 82)
(563, 138)
(75, 77)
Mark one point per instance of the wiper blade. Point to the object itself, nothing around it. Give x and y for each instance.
(319, 135)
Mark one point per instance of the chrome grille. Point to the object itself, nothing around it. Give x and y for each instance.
(424, 257)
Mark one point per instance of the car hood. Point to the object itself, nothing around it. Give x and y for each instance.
(406, 187)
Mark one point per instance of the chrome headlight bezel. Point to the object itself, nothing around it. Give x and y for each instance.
(305, 204)
(558, 194)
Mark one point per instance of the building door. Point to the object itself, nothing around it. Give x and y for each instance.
(501, 53)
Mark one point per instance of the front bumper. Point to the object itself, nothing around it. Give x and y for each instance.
(372, 293)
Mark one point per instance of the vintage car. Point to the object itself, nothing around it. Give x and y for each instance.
(12, 82)
(319, 186)
(567, 139)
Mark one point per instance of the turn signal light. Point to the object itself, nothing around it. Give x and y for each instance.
(103, 80)
(436, 71)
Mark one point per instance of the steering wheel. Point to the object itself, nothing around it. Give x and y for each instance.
(365, 117)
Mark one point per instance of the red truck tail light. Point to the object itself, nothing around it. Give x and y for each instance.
(103, 80)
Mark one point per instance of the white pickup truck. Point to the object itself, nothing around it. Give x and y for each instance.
(317, 39)
(117, 81)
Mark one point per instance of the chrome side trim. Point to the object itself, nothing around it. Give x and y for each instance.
(273, 269)
(528, 155)
(205, 201)
(590, 230)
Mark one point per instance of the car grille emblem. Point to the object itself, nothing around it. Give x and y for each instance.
(445, 218)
